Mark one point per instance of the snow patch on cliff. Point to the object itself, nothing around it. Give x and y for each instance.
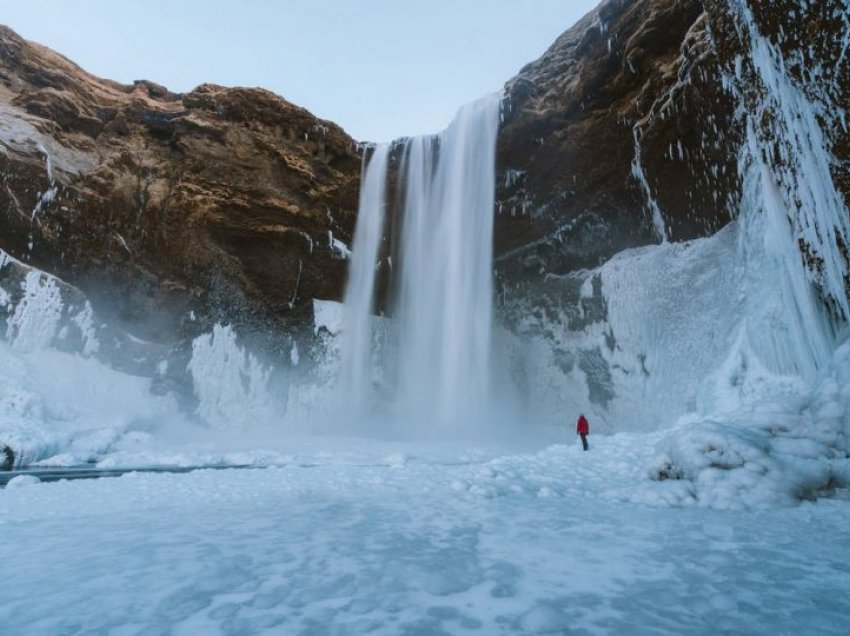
(34, 323)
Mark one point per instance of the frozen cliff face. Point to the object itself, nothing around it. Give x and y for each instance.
(787, 66)
(679, 117)
(736, 340)
(629, 129)
(620, 342)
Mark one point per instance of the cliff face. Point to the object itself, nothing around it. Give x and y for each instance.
(620, 135)
(629, 129)
(788, 64)
(665, 120)
(219, 203)
(216, 204)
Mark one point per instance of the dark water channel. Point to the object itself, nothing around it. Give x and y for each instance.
(92, 472)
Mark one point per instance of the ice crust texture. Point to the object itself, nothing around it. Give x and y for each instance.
(445, 541)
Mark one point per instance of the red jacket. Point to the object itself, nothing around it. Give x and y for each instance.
(582, 428)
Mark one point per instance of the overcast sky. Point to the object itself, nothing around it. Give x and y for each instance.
(379, 68)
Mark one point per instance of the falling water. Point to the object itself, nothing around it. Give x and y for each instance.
(356, 372)
(442, 313)
(446, 283)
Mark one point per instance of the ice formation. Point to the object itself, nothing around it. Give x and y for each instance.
(85, 322)
(59, 408)
(231, 384)
(775, 422)
(34, 323)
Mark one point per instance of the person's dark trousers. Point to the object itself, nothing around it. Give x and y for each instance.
(584, 441)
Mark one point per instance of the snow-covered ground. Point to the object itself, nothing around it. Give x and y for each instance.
(400, 540)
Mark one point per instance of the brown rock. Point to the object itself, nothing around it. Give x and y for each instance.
(155, 203)
(633, 83)
(651, 84)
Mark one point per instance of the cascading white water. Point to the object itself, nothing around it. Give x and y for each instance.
(443, 309)
(356, 370)
(446, 285)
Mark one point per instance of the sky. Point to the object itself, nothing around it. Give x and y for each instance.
(379, 68)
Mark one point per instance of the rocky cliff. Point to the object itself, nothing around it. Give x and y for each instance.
(628, 130)
(655, 121)
(222, 203)
(624, 104)
(218, 204)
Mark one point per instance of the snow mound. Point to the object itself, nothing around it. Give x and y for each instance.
(73, 409)
(22, 481)
(773, 452)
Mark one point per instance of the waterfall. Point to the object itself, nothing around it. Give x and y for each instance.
(442, 310)
(355, 374)
(446, 283)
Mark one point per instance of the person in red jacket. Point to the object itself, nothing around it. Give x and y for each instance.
(583, 429)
